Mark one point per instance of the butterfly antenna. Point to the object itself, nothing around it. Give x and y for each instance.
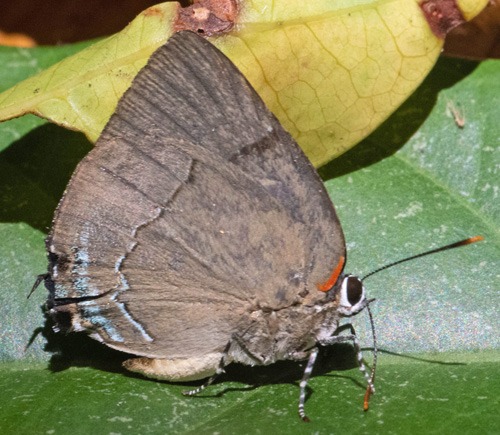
(369, 391)
(464, 242)
(432, 251)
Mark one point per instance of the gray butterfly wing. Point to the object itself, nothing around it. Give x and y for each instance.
(222, 114)
(194, 208)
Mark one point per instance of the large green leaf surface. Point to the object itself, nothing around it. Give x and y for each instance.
(430, 183)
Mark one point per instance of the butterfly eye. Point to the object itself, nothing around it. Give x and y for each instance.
(354, 290)
(352, 296)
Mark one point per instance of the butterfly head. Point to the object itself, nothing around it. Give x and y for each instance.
(351, 297)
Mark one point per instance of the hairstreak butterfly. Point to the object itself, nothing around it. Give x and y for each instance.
(197, 233)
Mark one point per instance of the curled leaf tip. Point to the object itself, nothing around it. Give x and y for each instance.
(207, 17)
(442, 15)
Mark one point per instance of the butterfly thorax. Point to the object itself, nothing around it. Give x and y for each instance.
(287, 333)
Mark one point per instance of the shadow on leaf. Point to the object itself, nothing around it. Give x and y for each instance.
(34, 172)
(76, 349)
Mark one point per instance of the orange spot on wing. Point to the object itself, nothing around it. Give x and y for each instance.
(333, 279)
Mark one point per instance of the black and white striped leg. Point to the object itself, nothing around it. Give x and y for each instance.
(357, 347)
(303, 383)
(218, 371)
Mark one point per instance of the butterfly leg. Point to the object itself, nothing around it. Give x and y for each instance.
(303, 383)
(354, 339)
(220, 369)
(314, 353)
(39, 279)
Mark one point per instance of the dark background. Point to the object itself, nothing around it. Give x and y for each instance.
(52, 22)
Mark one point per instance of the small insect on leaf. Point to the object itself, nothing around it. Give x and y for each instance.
(457, 114)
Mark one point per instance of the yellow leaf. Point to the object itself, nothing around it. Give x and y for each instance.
(331, 71)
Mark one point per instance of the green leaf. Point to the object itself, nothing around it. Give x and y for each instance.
(442, 185)
(330, 71)
(412, 397)
(418, 182)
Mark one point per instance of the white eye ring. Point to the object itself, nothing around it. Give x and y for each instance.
(351, 288)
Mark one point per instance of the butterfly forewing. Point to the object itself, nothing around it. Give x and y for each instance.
(194, 208)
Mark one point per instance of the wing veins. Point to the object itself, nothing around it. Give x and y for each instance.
(127, 183)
